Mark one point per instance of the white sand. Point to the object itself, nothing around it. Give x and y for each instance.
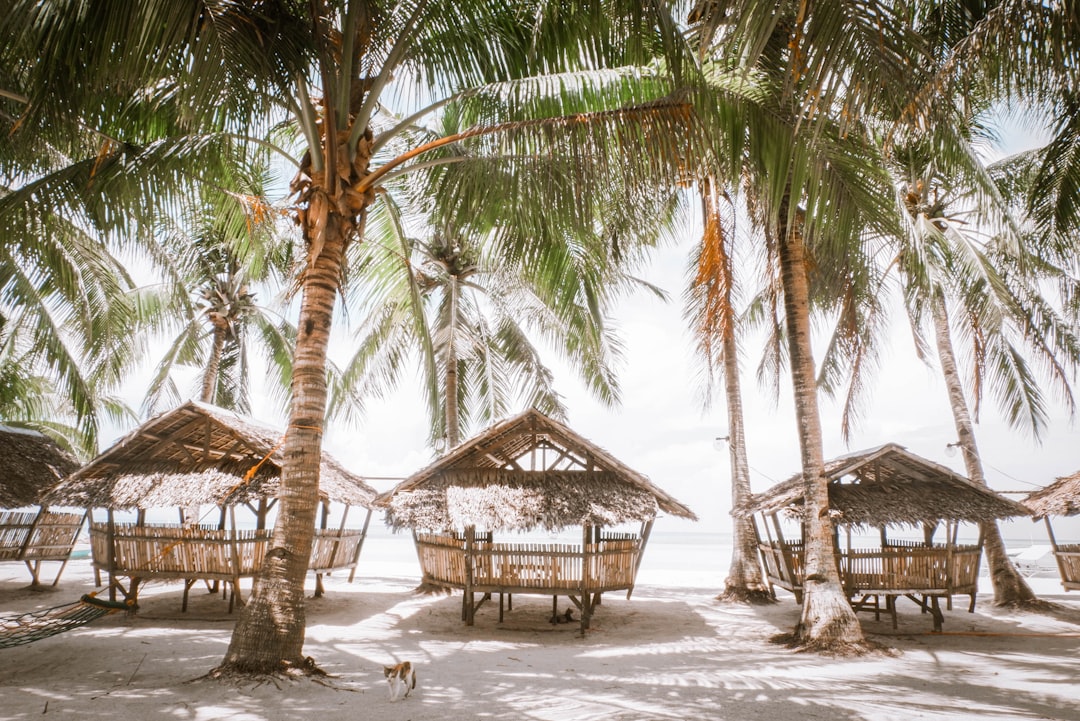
(671, 652)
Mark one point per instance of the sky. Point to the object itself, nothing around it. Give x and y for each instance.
(661, 429)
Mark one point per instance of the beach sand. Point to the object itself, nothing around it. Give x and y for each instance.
(670, 652)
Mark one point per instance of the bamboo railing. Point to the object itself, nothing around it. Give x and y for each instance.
(208, 553)
(1068, 560)
(37, 536)
(896, 569)
(540, 568)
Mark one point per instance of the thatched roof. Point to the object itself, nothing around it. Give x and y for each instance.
(523, 473)
(32, 464)
(196, 454)
(1060, 498)
(889, 485)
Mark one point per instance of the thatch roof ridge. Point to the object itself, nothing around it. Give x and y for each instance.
(477, 463)
(33, 463)
(1060, 498)
(197, 453)
(919, 491)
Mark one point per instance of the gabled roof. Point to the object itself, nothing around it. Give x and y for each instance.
(1060, 498)
(32, 464)
(526, 472)
(194, 454)
(889, 485)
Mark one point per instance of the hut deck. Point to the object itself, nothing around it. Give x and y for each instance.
(37, 536)
(193, 553)
(1068, 560)
(898, 569)
(581, 573)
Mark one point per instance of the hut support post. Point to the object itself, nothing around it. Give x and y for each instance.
(586, 576)
(323, 518)
(363, 537)
(110, 544)
(646, 529)
(67, 556)
(467, 608)
(1060, 560)
(234, 548)
(35, 567)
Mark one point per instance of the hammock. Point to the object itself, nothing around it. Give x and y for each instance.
(36, 625)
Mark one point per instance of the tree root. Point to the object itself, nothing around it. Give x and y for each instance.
(285, 670)
(746, 596)
(427, 588)
(832, 647)
(1034, 605)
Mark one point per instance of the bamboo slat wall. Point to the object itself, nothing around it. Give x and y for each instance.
(1068, 559)
(894, 569)
(540, 568)
(172, 551)
(334, 550)
(38, 536)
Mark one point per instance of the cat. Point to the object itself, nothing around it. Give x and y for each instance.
(400, 677)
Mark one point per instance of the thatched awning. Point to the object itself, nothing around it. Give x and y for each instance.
(524, 473)
(889, 485)
(32, 464)
(196, 454)
(1060, 498)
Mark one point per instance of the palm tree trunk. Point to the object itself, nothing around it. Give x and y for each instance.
(1010, 588)
(744, 582)
(210, 373)
(453, 431)
(269, 635)
(828, 622)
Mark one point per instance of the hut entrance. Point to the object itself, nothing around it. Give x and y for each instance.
(201, 456)
(1062, 499)
(29, 532)
(870, 493)
(529, 472)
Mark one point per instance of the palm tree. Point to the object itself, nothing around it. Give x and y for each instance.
(1003, 314)
(962, 243)
(472, 311)
(327, 67)
(711, 308)
(215, 261)
(814, 176)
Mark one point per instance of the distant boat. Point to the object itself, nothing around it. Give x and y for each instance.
(1034, 559)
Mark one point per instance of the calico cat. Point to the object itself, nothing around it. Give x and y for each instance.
(400, 677)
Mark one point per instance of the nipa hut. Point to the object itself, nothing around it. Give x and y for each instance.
(29, 531)
(882, 488)
(1061, 498)
(192, 457)
(526, 473)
